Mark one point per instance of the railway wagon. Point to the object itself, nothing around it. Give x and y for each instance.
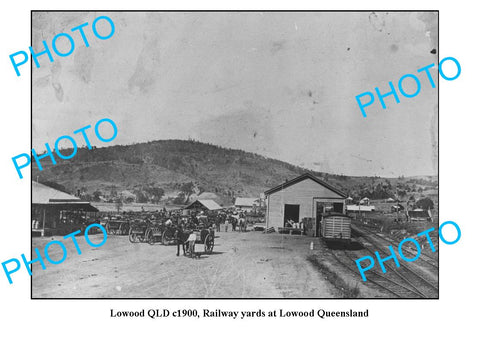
(336, 227)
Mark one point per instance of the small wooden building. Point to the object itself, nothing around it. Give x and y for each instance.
(246, 203)
(419, 215)
(304, 197)
(201, 205)
(56, 212)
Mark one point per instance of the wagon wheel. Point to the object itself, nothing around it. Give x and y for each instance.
(149, 237)
(131, 236)
(166, 237)
(204, 234)
(209, 243)
(144, 236)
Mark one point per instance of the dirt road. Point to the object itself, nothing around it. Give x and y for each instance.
(243, 265)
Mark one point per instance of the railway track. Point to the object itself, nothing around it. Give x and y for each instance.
(410, 274)
(395, 285)
(424, 257)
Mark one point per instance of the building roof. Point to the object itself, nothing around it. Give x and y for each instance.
(361, 208)
(208, 204)
(245, 201)
(42, 194)
(302, 178)
(73, 206)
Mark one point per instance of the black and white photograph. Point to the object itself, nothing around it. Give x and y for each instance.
(235, 154)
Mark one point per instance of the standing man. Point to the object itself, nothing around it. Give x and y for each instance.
(218, 221)
(179, 238)
(191, 244)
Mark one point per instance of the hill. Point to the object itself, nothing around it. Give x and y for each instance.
(175, 166)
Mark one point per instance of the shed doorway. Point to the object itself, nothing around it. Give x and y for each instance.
(291, 212)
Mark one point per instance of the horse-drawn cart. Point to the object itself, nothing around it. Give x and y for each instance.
(138, 231)
(118, 227)
(160, 233)
(205, 236)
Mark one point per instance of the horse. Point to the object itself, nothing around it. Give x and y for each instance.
(242, 223)
(181, 238)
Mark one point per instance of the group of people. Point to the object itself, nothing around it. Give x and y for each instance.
(185, 225)
(212, 218)
(231, 219)
(185, 237)
(216, 220)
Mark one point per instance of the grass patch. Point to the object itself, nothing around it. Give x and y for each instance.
(337, 281)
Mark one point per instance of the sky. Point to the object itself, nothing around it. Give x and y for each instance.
(282, 85)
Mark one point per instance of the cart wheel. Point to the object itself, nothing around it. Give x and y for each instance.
(209, 243)
(150, 238)
(167, 237)
(131, 236)
(164, 238)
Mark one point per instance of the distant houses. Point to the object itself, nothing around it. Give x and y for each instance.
(419, 215)
(365, 201)
(360, 208)
(246, 203)
(208, 205)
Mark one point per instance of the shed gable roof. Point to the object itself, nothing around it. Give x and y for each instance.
(302, 178)
(245, 201)
(209, 204)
